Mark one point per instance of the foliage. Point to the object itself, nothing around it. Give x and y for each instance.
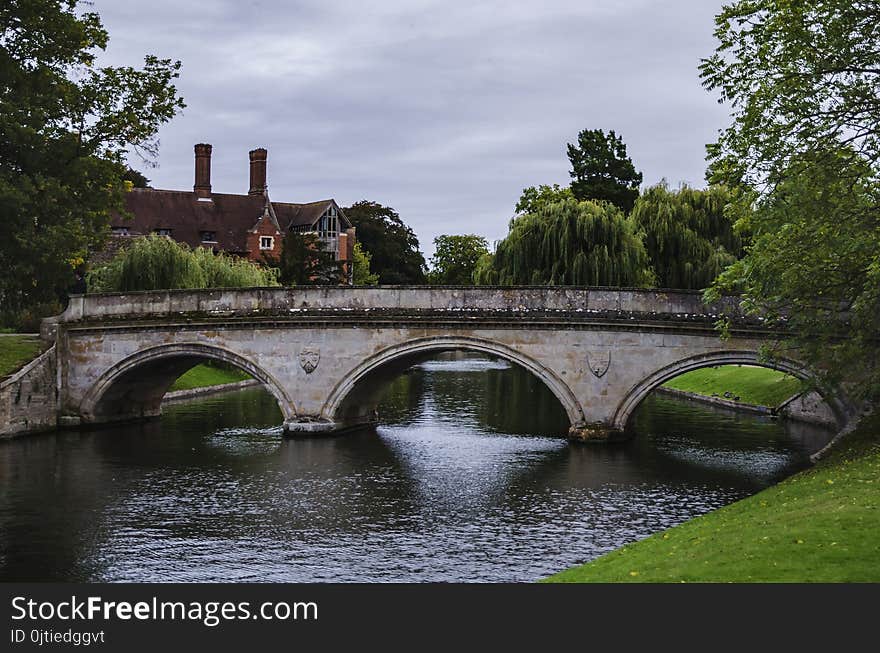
(569, 243)
(803, 82)
(601, 169)
(304, 262)
(817, 526)
(65, 130)
(136, 178)
(455, 259)
(802, 78)
(760, 386)
(157, 263)
(361, 275)
(392, 244)
(533, 198)
(689, 236)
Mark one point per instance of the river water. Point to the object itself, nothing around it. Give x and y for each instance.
(469, 478)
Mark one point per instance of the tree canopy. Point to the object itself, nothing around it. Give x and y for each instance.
(689, 235)
(533, 198)
(455, 259)
(803, 82)
(601, 169)
(392, 245)
(66, 126)
(304, 262)
(361, 274)
(569, 243)
(159, 263)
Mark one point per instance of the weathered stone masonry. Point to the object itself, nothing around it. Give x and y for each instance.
(28, 398)
(324, 352)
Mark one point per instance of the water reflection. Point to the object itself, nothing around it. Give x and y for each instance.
(468, 479)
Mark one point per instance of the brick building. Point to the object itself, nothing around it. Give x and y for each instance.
(252, 225)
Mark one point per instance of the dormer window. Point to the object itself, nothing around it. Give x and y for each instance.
(267, 242)
(119, 231)
(163, 232)
(209, 236)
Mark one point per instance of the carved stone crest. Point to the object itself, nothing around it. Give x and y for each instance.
(309, 358)
(599, 362)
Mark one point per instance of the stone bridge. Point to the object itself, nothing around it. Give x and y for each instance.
(325, 353)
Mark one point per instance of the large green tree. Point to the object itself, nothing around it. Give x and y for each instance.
(305, 262)
(455, 259)
(66, 126)
(601, 169)
(803, 82)
(569, 243)
(689, 234)
(392, 245)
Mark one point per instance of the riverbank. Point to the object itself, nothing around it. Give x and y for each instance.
(743, 384)
(16, 350)
(818, 526)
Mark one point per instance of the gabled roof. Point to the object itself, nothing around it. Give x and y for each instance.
(295, 215)
(229, 216)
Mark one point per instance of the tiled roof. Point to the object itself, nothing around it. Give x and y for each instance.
(230, 217)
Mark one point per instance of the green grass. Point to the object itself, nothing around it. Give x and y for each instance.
(820, 525)
(753, 385)
(16, 351)
(207, 374)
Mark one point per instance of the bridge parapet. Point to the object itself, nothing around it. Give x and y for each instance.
(396, 300)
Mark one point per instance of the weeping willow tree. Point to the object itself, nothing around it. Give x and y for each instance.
(689, 237)
(569, 243)
(159, 263)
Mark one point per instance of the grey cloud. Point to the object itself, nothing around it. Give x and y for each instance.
(444, 110)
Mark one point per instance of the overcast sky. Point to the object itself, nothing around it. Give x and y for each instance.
(444, 110)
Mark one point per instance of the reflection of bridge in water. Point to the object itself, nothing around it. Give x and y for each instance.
(324, 352)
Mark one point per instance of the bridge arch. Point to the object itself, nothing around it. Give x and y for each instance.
(134, 387)
(355, 386)
(837, 401)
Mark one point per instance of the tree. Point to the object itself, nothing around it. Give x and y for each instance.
(392, 244)
(689, 236)
(803, 82)
(533, 198)
(159, 263)
(601, 170)
(66, 128)
(304, 262)
(361, 275)
(569, 243)
(455, 259)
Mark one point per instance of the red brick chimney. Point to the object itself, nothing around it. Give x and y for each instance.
(258, 171)
(202, 187)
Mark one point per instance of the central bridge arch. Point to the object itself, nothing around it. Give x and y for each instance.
(134, 387)
(353, 399)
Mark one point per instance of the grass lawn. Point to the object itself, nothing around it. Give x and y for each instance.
(753, 385)
(207, 374)
(820, 525)
(16, 351)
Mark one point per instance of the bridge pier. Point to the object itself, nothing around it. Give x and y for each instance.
(596, 433)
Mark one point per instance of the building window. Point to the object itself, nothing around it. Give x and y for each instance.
(162, 232)
(119, 231)
(267, 242)
(209, 236)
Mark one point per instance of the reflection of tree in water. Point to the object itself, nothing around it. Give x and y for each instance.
(507, 399)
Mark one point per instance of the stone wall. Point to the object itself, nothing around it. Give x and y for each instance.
(808, 407)
(287, 301)
(28, 398)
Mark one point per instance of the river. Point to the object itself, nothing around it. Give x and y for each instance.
(468, 478)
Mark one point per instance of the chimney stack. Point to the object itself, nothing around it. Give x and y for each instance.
(202, 187)
(258, 171)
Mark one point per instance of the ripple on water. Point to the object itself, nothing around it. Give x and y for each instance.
(437, 495)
